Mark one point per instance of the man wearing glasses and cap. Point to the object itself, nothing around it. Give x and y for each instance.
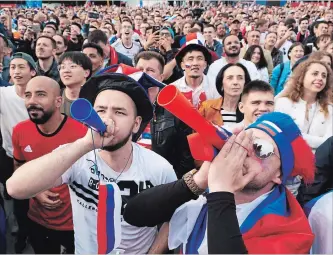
(96, 161)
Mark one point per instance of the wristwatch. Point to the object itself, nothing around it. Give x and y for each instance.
(188, 178)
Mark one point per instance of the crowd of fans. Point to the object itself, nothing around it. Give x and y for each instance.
(234, 63)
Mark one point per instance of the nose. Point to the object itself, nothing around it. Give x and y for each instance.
(17, 71)
(30, 101)
(235, 81)
(263, 108)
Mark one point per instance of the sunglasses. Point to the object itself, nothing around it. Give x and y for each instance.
(263, 149)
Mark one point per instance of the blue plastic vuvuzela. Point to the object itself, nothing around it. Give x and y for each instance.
(82, 110)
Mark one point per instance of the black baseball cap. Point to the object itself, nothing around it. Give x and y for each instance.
(123, 83)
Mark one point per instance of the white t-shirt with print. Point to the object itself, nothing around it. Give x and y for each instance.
(129, 52)
(285, 48)
(147, 170)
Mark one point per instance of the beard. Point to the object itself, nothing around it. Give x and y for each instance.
(232, 55)
(44, 58)
(118, 145)
(46, 115)
(253, 187)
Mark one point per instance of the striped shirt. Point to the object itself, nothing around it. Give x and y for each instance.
(229, 118)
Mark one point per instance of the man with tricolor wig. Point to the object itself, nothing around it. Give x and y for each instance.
(269, 217)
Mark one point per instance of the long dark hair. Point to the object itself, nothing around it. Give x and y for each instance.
(248, 55)
(220, 89)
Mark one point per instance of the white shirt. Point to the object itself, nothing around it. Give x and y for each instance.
(264, 76)
(12, 112)
(318, 129)
(148, 169)
(129, 52)
(203, 87)
(284, 48)
(184, 219)
(262, 38)
(215, 68)
(321, 223)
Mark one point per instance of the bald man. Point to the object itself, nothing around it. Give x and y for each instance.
(49, 213)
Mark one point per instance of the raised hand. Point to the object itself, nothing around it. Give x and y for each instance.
(226, 170)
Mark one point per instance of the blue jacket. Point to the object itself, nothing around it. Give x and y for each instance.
(279, 77)
(217, 48)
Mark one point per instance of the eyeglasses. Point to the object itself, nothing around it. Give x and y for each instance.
(263, 149)
(71, 67)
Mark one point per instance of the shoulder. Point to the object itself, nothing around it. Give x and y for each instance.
(285, 102)
(149, 156)
(7, 90)
(73, 124)
(137, 44)
(153, 163)
(216, 63)
(212, 102)
(178, 82)
(116, 43)
(248, 64)
(216, 42)
(24, 126)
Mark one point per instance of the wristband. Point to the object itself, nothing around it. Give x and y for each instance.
(188, 178)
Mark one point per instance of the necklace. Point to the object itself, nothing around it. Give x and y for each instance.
(125, 165)
(95, 163)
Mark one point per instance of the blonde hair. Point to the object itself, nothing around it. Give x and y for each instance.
(294, 90)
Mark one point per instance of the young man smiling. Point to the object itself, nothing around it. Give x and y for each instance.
(74, 68)
(12, 111)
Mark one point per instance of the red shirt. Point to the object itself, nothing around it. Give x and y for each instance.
(30, 143)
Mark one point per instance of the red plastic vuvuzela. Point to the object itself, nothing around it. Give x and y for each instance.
(175, 102)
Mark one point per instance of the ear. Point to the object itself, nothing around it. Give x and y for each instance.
(182, 65)
(137, 123)
(33, 73)
(86, 73)
(58, 101)
(161, 77)
(241, 107)
(277, 177)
